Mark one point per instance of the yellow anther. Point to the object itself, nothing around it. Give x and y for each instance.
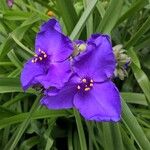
(32, 61)
(91, 81)
(87, 89)
(84, 80)
(45, 55)
(50, 13)
(35, 55)
(91, 84)
(42, 52)
(78, 87)
(35, 60)
(40, 58)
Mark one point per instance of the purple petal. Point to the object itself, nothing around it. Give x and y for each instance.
(10, 3)
(54, 43)
(57, 75)
(29, 72)
(98, 61)
(63, 100)
(79, 42)
(52, 23)
(52, 91)
(102, 103)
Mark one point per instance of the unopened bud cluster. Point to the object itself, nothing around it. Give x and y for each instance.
(123, 61)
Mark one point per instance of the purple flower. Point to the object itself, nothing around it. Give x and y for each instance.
(10, 3)
(50, 65)
(90, 89)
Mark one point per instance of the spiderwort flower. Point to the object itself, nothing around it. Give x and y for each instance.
(90, 89)
(49, 66)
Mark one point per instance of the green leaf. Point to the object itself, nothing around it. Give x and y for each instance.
(10, 85)
(21, 129)
(80, 130)
(39, 11)
(47, 134)
(18, 33)
(14, 59)
(82, 21)
(135, 98)
(143, 44)
(15, 15)
(117, 138)
(6, 64)
(5, 112)
(111, 16)
(101, 9)
(15, 73)
(128, 143)
(134, 57)
(134, 8)
(76, 141)
(92, 139)
(137, 35)
(29, 143)
(143, 81)
(89, 24)
(107, 137)
(15, 99)
(70, 136)
(39, 114)
(22, 46)
(134, 128)
(68, 13)
(140, 76)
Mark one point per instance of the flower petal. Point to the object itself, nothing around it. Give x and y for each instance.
(98, 60)
(57, 75)
(63, 100)
(79, 42)
(52, 23)
(29, 72)
(102, 103)
(54, 43)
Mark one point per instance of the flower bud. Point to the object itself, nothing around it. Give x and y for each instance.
(50, 14)
(123, 61)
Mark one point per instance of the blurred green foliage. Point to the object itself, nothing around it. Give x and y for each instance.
(24, 124)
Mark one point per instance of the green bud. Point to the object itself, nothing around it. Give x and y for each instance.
(82, 47)
(122, 60)
(78, 48)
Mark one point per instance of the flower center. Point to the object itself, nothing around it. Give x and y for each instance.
(86, 84)
(40, 57)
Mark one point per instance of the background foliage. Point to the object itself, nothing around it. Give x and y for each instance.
(24, 124)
